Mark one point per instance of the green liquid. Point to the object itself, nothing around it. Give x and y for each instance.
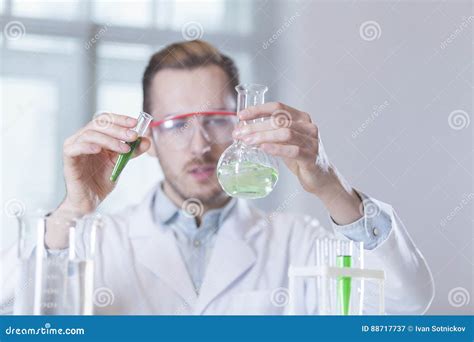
(123, 160)
(247, 180)
(344, 284)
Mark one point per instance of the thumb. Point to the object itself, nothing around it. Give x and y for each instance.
(144, 145)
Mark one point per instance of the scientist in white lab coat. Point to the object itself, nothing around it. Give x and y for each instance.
(226, 257)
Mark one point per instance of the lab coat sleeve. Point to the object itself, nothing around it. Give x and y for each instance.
(409, 285)
(372, 229)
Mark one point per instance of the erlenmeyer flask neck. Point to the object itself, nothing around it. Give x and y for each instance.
(250, 94)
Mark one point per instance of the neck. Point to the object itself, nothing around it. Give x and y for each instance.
(217, 201)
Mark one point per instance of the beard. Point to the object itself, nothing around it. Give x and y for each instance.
(183, 184)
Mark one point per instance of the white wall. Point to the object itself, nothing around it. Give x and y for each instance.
(408, 154)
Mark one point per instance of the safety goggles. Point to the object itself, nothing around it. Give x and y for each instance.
(178, 130)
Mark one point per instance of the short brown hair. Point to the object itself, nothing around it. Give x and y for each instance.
(186, 55)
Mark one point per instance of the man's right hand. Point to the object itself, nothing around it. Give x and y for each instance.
(89, 157)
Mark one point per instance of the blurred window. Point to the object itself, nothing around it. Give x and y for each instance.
(64, 60)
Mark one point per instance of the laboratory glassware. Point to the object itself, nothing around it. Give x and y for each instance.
(54, 282)
(143, 121)
(243, 170)
(339, 279)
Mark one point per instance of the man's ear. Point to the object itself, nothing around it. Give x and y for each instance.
(152, 150)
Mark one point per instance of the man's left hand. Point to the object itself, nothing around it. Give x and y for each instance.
(288, 133)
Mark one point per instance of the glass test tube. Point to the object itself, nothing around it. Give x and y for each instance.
(344, 284)
(144, 120)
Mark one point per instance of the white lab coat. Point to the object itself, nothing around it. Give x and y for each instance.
(139, 264)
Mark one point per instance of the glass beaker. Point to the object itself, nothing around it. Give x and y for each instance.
(246, 171)
(53, 282)
(82, 247)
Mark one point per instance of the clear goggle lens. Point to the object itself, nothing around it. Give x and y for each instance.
(178, 130)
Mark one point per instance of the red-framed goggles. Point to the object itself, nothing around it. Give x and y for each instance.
(215, 126)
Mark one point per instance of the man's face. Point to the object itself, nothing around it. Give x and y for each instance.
(191, 171)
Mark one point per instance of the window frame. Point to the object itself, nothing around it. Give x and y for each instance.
(83, 31)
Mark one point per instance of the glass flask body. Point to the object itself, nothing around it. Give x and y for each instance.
(246, 171)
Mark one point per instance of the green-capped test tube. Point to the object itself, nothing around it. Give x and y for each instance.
(344, 284)
(143, 121)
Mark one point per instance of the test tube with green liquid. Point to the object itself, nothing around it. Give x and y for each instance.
(143, 121)
(344, 284)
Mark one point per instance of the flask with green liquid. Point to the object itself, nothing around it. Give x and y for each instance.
(246, 171)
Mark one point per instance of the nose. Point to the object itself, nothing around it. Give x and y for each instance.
(200, 143)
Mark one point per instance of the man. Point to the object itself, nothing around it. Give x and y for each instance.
(227, 257)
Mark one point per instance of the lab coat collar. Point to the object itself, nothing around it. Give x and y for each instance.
(155, 247)
(163, 209)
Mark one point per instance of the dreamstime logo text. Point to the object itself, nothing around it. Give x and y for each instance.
(46, 330)
(459, 30)
(282, 207)
(96, 36)
(376, 112)
(286, 24)
(467, 198)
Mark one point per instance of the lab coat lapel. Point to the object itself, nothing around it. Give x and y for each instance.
(155, 247)
(231, 257)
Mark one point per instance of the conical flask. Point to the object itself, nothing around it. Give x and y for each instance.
(246, 171)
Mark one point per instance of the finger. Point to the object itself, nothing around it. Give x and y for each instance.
(106, 119)
(287, 151)
(82, 148)
(276, 110)
(103, 140)
(116, 131)
(281, 135)
(144, 145)
(304, 128)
